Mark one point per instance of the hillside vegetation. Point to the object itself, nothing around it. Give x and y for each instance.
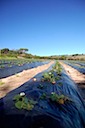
(22, 53)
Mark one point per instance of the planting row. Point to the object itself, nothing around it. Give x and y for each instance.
(10, 63)
(76, 66)
(50, 99)
(80, 63)
(8, 71)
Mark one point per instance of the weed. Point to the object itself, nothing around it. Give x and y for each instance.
(1, 83)
(17, 75)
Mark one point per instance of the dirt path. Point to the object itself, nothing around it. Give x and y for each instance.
(14, 81)
(76, 76)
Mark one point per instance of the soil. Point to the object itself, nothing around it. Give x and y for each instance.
(76, 76)
(12, 82)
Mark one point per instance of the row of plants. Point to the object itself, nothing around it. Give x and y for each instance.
(23, 102)
(60, 99)
(8, 63)
(78, 63)
(44, 101)
(18, 62)
(76, 66)
(53, 75)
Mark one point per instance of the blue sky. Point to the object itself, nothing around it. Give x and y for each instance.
(45, 27)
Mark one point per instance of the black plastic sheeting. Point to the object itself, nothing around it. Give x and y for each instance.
(45, 114)
(81, 63)
(8, 71)
(81, 70)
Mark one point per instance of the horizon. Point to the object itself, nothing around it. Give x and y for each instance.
(46, 27)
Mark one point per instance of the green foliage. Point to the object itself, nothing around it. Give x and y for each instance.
(49, 76)
(54, 74)
(17, 97)
(17, 75)
(43, 96)
(4, 51)
(1, 83)
(22, 102)
(53, 97)
(2, 66)
(13, 53)
(22, 50)
(57, 68)
(61, 99)
(63, 57)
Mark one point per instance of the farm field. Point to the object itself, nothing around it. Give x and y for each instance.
(47, 92)
(42, 64)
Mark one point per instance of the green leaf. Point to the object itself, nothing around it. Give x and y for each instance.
(18, 105)
(25, 99)
(32, 102)
(17, 97)
(53, 97)
(30, 106)
(24, 105)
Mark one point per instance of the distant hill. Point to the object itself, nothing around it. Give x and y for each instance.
(22, 54)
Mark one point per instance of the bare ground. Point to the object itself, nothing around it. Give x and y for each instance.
(12, 82)
(76, 76)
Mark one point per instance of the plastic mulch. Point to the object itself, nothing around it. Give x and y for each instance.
(45, 114)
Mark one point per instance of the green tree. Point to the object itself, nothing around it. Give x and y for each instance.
(4, 51)
(22, 50)
(63, 57)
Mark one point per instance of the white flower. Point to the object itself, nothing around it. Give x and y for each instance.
(52, 92)
(50, 73)
(34, 79)
(22, 94)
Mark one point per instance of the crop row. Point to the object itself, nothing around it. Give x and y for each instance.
(8, 71)
(10, 63)
(49, 99)
(76, 65)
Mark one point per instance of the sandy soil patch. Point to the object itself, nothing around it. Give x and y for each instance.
(12, 82)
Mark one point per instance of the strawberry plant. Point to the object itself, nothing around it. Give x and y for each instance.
(22, 102)
(57, 68)
(53, 75)
(61, 99)
(49, 76)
